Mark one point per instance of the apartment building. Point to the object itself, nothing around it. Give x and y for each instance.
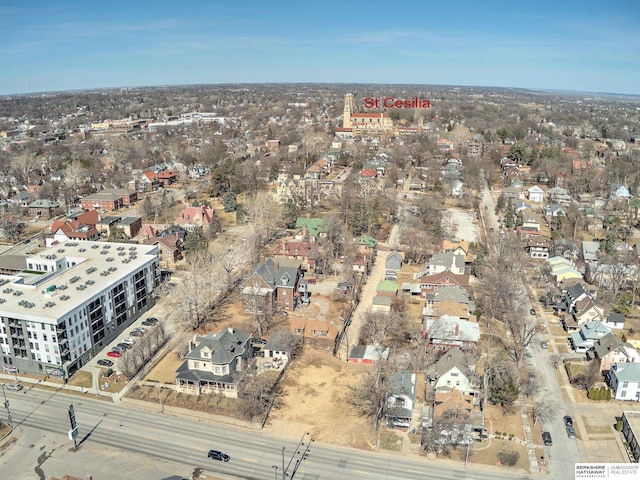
(70, 301)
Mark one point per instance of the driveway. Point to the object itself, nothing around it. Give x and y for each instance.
(366, 300)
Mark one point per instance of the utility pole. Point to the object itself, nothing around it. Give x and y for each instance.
(6, 405)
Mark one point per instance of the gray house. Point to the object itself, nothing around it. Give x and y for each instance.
(394, 261)
(401, 399)
(215, 364)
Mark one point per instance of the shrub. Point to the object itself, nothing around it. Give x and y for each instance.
(509, 458)
(107, 373)
(618, 425)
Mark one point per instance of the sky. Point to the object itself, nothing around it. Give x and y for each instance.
(559, 45)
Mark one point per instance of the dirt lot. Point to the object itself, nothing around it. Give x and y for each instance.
(315, 392)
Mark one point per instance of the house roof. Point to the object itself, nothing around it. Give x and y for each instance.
(454, 358)
(453, 328)
(279, 341)
(276, 273)
(314, 225)
(403, 383)
(195, 215)
(381, 301)
(369, 352)
(626, 372)
(43, 203)
(446, 277)
(590, 250)
(365, 240)
(387, 286)
(224, 346)
(447, 259)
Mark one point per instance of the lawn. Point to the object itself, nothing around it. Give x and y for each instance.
(165, 370)
(82, 379)
(489, 454)
(389, 440)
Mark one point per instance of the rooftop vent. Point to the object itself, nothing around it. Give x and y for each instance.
(74, 279)
(62, 287)
(64, 297)
(89, 282)
(95, 246)
(82, 249)
(17, 293)
(109, 259)
(80, 287)
(49, 304)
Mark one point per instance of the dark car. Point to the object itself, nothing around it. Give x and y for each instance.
(546, 438)
(568, 421)
(571, 432)
(136, 333)
(218, 455)
(150, 322)
(103, 362)
(118, 349)
(532, 311)
(123, 346)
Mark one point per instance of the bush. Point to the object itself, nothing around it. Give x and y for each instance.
(509, 458)
(107, 373)
(618, 425)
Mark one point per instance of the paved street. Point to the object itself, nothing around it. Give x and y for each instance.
(122, 442)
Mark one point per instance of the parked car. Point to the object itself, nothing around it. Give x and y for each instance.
(129, 341)
(123, 346)
(544, 345)
(532, 311)
(568, 421)
(14, 386)
(571, 432)
(136, 333)
(103, 362)
(118, 349)
(218, 455)
(546, 438)
(150, 322)
(114, 354)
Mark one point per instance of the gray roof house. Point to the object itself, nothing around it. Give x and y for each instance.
(624, 380)
(215, 364)
(589, 333)
(444, 261)
(452, 371)
(394, 261)
(401, 399)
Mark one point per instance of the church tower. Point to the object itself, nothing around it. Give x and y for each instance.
(348, 108)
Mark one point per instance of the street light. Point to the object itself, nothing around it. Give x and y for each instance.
(275, 472)
(6, 405)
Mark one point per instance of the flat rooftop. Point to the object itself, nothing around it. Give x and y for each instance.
(46, 296)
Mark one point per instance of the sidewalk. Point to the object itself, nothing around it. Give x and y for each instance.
(28, 383)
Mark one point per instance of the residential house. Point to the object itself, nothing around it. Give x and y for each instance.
(608, 350)
(297, 250)
(460, 247)
(538, 247)
(193, 217)
(44, 208)
(443, 294)
(109, 199)
(590, 251)
(368, 354)
(619, 192)
(615, 321)
(393, 261)
(555, 210)
(444, 261)
(367, 246)
(453, 371)
(310, 228)
(456, 410)
(152, 180)
(530, 222)
(281, 345)
(216, 363)
(535, 194)
(82, 227)
(446, 278)
(449, 307)
(563, 269)
(588, 334)
(275, 284)
(402, 386)
(611, 276)
(624, 380)
(513, 193)
(318, 332)
(447, 332)
(559, 195)
(170, 248)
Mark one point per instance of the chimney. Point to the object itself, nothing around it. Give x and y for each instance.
(276, 266)
(457, 329)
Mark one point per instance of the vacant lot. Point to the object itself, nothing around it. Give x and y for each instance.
(315, 394)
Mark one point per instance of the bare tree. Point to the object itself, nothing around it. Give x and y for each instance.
(264, 216)
(544, 410)
(255, 392)
(370, 395)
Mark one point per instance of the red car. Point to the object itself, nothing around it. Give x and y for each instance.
(114, 354)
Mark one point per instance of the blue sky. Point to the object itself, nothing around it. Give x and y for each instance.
(568, 45)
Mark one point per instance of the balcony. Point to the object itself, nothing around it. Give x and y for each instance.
(62, 341)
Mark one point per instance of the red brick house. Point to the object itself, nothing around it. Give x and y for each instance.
(428, 283)
(276, 284)
(297, 250)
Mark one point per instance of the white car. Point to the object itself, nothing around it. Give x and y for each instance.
(129, 341)
(14, 386)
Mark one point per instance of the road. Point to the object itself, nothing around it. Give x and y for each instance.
(118, 441)
(563, 454)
